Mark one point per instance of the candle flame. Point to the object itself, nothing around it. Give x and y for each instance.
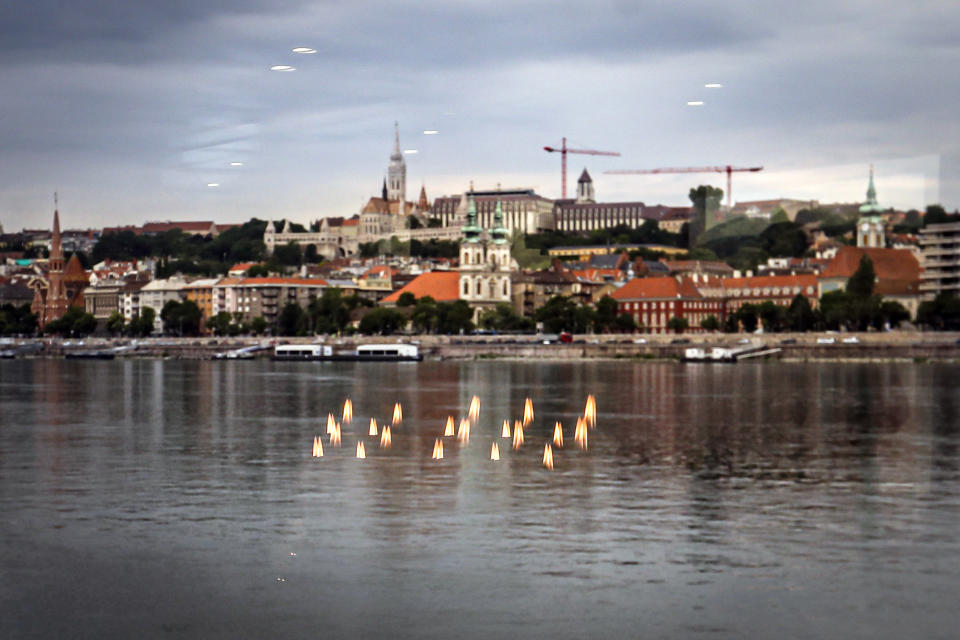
(317, 447)
(590, 411)
(494, 451)
(517, 435)
(558, 435)
(438, 449)
(474, 413)
(527, 412)
(385, 438)
(463, 433)
(347, 411)
(397, 414)
(335, 435)
(505, 430)
(580, 434)
(373, 427)
(448, 429)
(330, 423)
(548, 456)
(361, 450)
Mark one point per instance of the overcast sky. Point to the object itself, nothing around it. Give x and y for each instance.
(130, 109)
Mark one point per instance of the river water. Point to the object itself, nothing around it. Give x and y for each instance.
(172, 499)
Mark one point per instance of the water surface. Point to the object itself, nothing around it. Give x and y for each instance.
(159, 499)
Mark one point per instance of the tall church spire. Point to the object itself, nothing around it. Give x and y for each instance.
(871, 205)
(56, 243)
(397, 172)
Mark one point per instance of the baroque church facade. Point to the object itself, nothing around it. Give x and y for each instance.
(486, 262)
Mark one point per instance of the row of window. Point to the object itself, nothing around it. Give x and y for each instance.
(477, 288)
(766, 291)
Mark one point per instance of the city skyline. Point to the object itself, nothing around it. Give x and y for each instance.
(130, 113)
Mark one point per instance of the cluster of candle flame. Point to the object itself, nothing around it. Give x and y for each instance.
(516, 434)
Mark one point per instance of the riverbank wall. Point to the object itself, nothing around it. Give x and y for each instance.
(893, 346)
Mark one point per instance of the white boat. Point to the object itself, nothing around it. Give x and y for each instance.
(364, 352)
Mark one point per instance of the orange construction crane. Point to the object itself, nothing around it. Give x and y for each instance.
(725, 169)
(563, 151)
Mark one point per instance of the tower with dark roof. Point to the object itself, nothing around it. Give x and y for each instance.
(585, 188)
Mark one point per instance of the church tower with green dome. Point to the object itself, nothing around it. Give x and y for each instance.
(486, 262)
(870, 226)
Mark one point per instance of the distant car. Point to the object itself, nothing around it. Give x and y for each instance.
(789, 341)
(743, 341)
(851, 340)
(826, 340)
(680, 341)
(640, 341)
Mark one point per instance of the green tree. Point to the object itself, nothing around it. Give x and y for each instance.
(861, 282)
(606, 314)
(748, 317)
(772, 315)
(288, 255)
(800, 315)
(678, 324)
(142, 325)
(406, 299)
(115, 323)
(382, 321)
(454, 317)
(258, 326)
(220, 323)
(940, 314)
(290, 321)
(710, 323)
(503, 318)
(181, 318)
(626, 323)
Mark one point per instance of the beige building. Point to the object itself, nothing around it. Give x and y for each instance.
(940, 244)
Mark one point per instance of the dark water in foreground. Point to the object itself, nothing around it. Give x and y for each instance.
(165, 499)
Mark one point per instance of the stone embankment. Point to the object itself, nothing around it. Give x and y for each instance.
(905, 346)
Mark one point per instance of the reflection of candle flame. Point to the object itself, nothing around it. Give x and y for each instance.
(330, 423)
(527, 412)
(474, 413)
(463, 433)
(438, 449)
(397, 413)
(580, 434)
(548, 456)
(517, 435)
(361, 450)
(385, 438)
(448, 429)
(317, 447)
(335, 435)
(505, 430)
(347, 411)
(590, 411)
(558, 435)
(373, 427)
(494, 451)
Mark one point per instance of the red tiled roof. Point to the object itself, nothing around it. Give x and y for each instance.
(352, 222)
(655, 288)
(599, 274)
(888, 264)
(442, 286)
(242, 266)
(802, 280)
(380, 271)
